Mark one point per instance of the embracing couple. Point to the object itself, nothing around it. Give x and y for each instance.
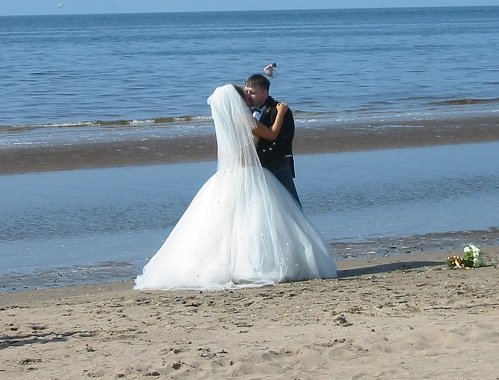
(245, 226)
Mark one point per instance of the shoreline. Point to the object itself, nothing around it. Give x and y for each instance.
(347, 268)
(408, 317)
(350, 255)
(358, 137)
(395, 310)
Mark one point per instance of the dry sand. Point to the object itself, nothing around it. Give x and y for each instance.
(387, 318)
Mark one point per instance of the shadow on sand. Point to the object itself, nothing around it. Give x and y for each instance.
(389, 267)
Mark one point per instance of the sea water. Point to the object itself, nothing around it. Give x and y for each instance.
(111, 221)
(69, 79)
(72, 79)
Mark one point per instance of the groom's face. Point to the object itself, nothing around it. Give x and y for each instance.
(256, 95)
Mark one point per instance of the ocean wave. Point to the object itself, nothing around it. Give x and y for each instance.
(163, 122)
(173, 121)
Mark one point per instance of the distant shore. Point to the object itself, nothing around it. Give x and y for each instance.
(351, 137)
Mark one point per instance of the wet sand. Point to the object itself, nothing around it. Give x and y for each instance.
(307, 141)
(347, 253)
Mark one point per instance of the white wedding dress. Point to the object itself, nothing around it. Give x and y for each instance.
(242, 228)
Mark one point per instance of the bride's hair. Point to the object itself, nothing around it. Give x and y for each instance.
(233, 127)
(240, 90)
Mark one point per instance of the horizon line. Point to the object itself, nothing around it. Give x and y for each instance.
(249, 10)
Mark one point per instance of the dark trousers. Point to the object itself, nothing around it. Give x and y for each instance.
(283, 170)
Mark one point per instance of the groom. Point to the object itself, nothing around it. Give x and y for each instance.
(277, 155)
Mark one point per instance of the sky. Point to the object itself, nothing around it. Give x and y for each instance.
(41, 7)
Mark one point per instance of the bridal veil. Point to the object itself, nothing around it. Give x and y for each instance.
(242, 228)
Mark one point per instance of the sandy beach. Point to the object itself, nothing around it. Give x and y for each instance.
(105, 139)
(397, 312)
(398, 317)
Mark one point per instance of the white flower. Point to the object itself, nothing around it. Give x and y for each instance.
(472, 256)
(474, 249)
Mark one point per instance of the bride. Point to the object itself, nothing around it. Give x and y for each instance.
(242, 228)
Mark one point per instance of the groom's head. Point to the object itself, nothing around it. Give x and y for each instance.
(257, 89)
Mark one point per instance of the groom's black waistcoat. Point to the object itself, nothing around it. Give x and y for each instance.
(271, 152)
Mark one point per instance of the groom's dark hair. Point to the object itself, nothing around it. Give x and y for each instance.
(258, 80)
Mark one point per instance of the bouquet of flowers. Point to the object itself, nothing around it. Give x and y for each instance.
(470, 259)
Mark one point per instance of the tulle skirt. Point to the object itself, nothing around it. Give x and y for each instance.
(242, 229)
